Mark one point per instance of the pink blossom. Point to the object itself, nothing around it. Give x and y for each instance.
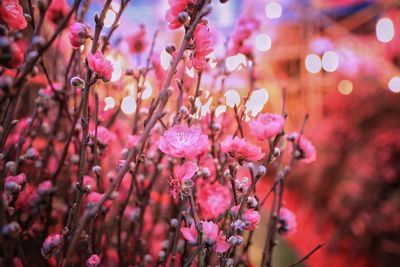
(94, 197)
(51, 245)
(190, 234)
(267, 125)
(17, 55)
(241, 35)
(100, 65)
(51, 91)
(176, 7)
(78, 33)
(308, 153)
(132, 140)
(181, 173)
(93, 261)
(211, 236)
(15, 183)
(44, 187)
(181, 141)
(240, 149)
(89, 181)
(57, 11)
(214, 199)
(103, 135)
(137, 41)
(287, 221)
(251, 218)
(13, 14)
(203, 46)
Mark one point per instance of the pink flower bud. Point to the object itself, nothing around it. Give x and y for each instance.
(78, 34)
(51, 245)
(93, 261)
(100, 65)
(13, 14)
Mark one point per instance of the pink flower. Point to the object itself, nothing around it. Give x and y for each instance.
(17, 55)
(251, 218)
(93, 198)
(241, 35)
(308, 153)
(101, 66)
(287, 222)
(171, 15)
(211, 236)
(267, 125)
(57, 11)
(89, 181)
(103, 135)
(44, 187)
(13, 14)
(183, 142)
(93, 261)
(15, 183)
(190, 234)
(241, 150)
(214, 199)
(78, 33)
(181, 173)
(132, 140)
(203, 46)
(51, 245)
(137, 41)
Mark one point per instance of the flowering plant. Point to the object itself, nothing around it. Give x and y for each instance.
(173, 181)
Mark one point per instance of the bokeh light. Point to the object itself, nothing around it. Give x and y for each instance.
(385, 30)
(110, 103)
(345, 87)
(232, 98)
(313, 63)
(273, 10)
(394, 84)
(148, 90)
(110, 18)
(263, 42)
(233, 63)
(128, 105)
(257, 100)
(330, 61)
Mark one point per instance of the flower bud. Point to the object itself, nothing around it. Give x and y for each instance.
(174, 222)
(12, 187)
(162, 255)
(129, 71)
(261, 171)
(96, 169)
(252, 202)
(165, 244)
(239, 225)
(77, 82)
(230, 262)
(78, 35)
(182, 17)
(10, 165)
(11, 229)
(183, 110)
(148, 258)
(277, 152)
(170, 49)
(31, 153)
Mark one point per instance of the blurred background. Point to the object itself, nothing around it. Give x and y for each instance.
(339, 61)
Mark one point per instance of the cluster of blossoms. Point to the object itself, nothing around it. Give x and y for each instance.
(162, 185)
